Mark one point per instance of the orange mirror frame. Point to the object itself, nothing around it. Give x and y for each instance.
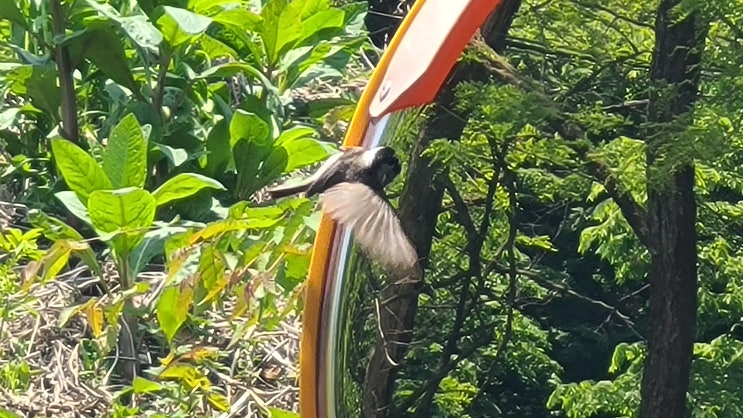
(411, 71)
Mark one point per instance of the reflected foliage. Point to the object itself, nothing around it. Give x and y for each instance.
(535, 300)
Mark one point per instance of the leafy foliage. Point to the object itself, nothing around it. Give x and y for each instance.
(183, 112)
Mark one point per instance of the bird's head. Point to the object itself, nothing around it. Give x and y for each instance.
(384, 165)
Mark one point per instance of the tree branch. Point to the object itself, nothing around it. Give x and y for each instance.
(635, 214)
(69, 127)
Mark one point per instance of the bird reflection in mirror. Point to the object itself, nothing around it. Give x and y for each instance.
(351, 188)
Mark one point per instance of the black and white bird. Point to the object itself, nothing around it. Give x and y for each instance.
(351, 187)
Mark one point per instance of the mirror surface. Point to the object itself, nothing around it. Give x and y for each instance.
(354, 345)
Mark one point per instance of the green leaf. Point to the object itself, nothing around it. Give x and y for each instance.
(248, 160)
(180, 26)
(153, 244)
(4, 413)
(273, 166)
(9, 10)
(124, 214)
(141, 31)
(55, 230)
(39, 83)
(294, 270)
(72, 202)
(218, 401)
(101, 44)
(251, 142)
(280, 413)
(79, 170)
(240, 18)
(212, 267)
(281, 28)
(172, 309)
(187, 374)
(176, 156)
(250, 126)
(319, 21)
(125, 159)
(142, 385)
(303, 152)
(8, 117)
(184, 185)
(219, 72)
(218, 149)
(312, 7)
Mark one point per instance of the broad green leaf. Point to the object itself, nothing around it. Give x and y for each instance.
(39, 83)
(273, 166)
(282, 27)
(303, 152)
(248, 160)
(241, 18)
(180, 26)
(125, 214)
(250, 138)
(152, 245)
(142, 32)
(79, 170)
(142, 385)
(8, 117)
(304, 63)
(218, 149)
(172, 309)
(9, 10)
(101, 44)
(125, 159)
(72, 202)
(176, 156)
(184, 185)
(320, 21)
(312, 7)
(250, 126)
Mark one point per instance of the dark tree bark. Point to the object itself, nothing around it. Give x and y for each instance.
(420, 204)
(674, 76)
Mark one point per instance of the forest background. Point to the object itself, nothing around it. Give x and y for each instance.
(581, 218)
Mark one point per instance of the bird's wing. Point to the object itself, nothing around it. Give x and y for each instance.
(373, 221)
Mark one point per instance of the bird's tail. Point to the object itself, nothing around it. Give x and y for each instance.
(287, 190)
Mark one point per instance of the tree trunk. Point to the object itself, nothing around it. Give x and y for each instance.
(671, 214)
(420, 203)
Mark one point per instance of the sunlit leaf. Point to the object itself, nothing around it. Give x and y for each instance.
(125, 213)
(79, 170)
(182, 186)
(281, 28)
(172, 309)
(142, 385)
(125, 159)
(180, 26)
(94, 315)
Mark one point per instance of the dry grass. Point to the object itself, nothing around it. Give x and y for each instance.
(260, 371)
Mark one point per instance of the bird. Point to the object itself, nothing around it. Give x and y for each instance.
(350, 185)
